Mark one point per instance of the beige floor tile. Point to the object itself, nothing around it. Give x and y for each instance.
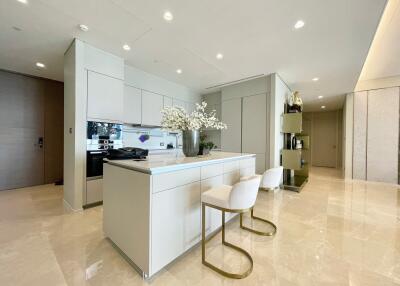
(332, 233)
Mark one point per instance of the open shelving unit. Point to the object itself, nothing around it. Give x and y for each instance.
(295, 173)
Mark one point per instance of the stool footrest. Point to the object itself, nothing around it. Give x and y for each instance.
(257, 231)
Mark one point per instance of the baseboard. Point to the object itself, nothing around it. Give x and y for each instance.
(69, 207)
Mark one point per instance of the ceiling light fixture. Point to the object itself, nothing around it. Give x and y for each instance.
(179, 71)
(323, 106)
(299, 24)
(83, 28)
(168, 16)
(23, 1)
(126, 47)
(219, 56)
(315, 79)
(320, 96)
(40, 65)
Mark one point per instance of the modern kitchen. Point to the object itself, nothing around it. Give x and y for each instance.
(152, 146)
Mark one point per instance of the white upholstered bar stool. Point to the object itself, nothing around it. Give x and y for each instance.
(271, 178)
(239, 198)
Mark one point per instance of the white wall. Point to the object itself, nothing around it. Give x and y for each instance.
(152, 83)
(74, 125)
(279, 92)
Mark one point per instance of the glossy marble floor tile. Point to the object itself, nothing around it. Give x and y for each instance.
(334, 232)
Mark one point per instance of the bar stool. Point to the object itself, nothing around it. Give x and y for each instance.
(239, 198)
(271, 178)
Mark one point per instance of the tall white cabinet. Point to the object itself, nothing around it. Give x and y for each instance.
(383, 135)
(231, 113)
(376, 135)
(254, 131)
(244, 110)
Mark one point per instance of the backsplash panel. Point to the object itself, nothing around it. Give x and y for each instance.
(149, 138)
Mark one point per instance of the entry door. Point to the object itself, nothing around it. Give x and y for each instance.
(324, 139)
(21, 130)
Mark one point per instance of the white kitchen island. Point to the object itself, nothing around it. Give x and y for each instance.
(152, 208)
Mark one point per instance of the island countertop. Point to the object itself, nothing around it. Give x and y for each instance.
(162, 163)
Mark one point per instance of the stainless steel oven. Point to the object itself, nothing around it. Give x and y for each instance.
(94, 163)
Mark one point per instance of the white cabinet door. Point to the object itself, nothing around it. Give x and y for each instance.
(167, 101)
(105, 98)
(232, 115)
(191, 106)
(180, 103)
(213, 216)
(152, 104)
(360, 135)
(254, 128)
(175, 223)
(132, 105)
(383, 135)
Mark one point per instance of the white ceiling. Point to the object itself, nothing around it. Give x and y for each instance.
(256, 37)
(384, 56)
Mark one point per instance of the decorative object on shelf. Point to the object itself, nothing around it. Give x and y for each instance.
(205, 147)
(294, 103)
(176, 118)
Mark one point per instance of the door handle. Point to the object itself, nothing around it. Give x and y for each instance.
(40, 142)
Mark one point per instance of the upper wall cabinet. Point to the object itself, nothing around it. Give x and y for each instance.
(132, 105)
(180, 103)
(152, 104)
(104, 63)
(168, 101)
(105, 98)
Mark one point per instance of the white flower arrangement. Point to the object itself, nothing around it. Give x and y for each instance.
(176, 118)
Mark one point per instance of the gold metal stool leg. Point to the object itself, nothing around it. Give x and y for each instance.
(257, 231)
(203, 249)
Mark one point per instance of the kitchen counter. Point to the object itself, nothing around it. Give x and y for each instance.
(174, 161)
(152, 208)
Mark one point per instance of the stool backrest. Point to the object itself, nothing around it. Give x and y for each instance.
(272, 178)
(244, 193)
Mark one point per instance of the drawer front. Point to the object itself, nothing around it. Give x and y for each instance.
(213, 216)
(231, 178)
(248, 162)
(94, 191)
(249, 171)
(211, 171)
(231, 166)
(175, 179)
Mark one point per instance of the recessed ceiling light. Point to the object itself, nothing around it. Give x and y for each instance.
(299, 24)
(315, 79)
(320, 96)
(83, 28)
(323, 106)
(23, 1)
(126, 47)
(168, 16)
(219, 56)
(40, 65)
(179, 71)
